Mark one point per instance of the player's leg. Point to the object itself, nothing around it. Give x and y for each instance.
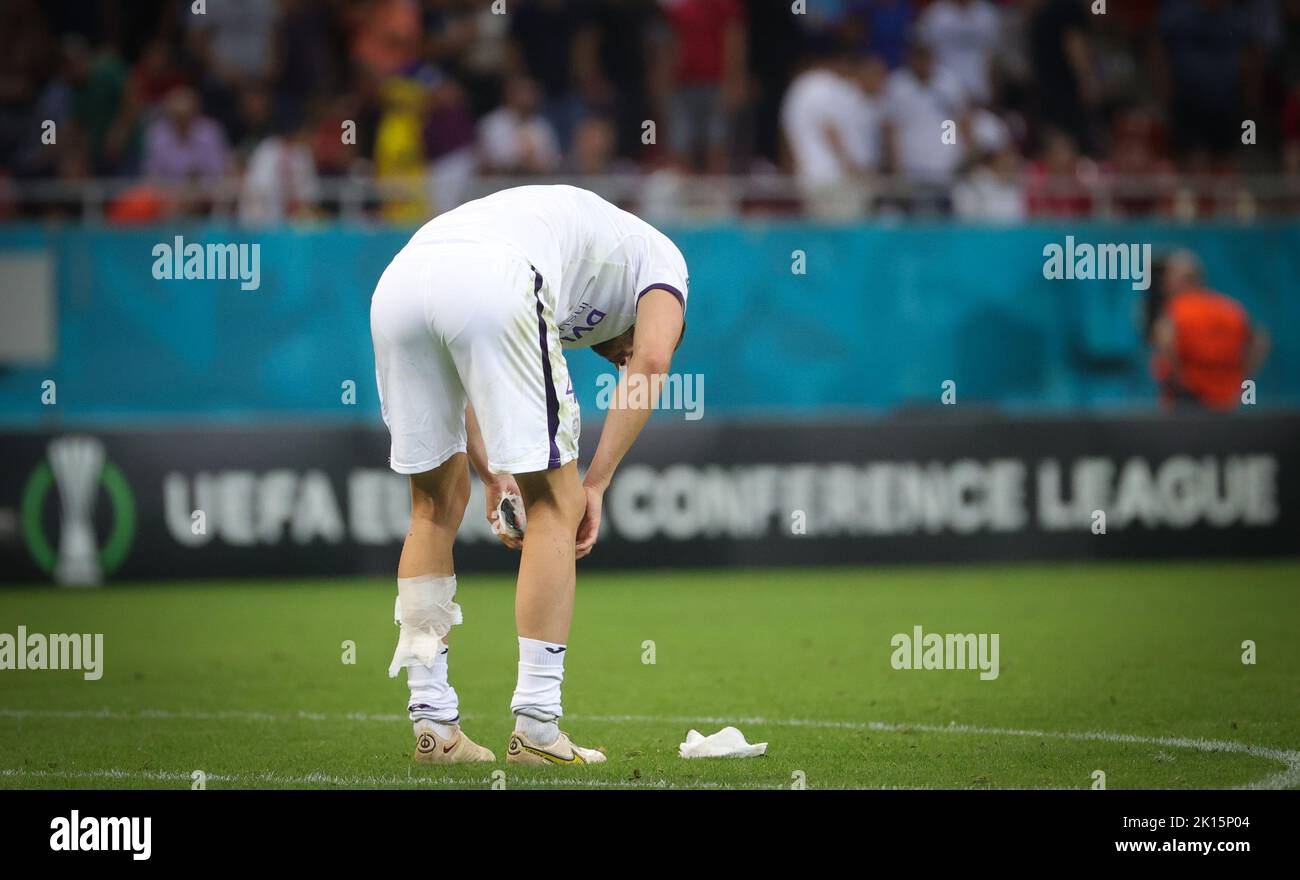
(554, 503)
(423, 404)
(509, 359)
(438, 501)
(426, 611)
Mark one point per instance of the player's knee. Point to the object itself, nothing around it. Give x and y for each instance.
(554, 494)
(445, 512)
(573, 500)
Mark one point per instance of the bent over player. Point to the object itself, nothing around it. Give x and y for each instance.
(469, 322)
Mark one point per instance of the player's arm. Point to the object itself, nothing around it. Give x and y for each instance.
(659, 322)
(494, 485)
(1257, 352)
(1164, 338)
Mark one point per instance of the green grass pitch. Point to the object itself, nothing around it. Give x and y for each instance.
(1133, 670)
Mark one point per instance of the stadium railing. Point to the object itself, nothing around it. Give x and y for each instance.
(667, 194)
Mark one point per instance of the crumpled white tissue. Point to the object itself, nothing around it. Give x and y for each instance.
(726, 743)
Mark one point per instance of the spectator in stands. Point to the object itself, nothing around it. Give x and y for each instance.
(516, 138)
(992, 187)
(155, 74)
(1065, 83)
(280, 182)
(993, 190)
(184, 145)
(27, 57)
(147, 83)
(1013, 71)
(234, 39)
(335, 144)
(882, 26)
(616, 74)
(1058, 184)
(823, 25)
(550, 40)
(923, 103)
(831, 118)
(465, 38)
(305, 65)
(710, 73)
(233, 43)
(709, 80)
(964, 34)
(399, 149)
(1204, 343)
(1204, 48)
(594, 147)
(255, 119)
(96, 80)
(449, 143)
(385, 36)
(1141, 179)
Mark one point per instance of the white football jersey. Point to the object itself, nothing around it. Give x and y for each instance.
(597, 258)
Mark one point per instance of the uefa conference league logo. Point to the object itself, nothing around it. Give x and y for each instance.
(75, 466)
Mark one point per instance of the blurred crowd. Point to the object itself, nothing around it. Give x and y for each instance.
(989, 110)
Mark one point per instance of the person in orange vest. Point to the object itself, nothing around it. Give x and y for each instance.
(1205, 345)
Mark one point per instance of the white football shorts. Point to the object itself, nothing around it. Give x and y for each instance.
(457, 321)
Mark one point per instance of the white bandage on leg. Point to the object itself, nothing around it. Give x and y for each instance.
(425, 611)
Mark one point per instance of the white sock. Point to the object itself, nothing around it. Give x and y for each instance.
(443, 731)
(542, 733)
(432, 698)
(536, 702)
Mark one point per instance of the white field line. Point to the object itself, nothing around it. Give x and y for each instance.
(413, 781)
(1287, 777)
(189, 715)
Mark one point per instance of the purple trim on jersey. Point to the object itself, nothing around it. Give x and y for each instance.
(668, 287)
(552, 401)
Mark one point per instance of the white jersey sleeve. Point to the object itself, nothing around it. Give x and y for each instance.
(659, 264)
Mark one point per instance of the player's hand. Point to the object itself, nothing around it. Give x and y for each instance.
(494, 489)
(590, 525)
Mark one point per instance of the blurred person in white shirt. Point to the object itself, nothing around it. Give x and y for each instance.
(280, 182)
(964, 36)
(516, 138)
(235, 39)
(992, 190)
(923, 102)
(831, 119)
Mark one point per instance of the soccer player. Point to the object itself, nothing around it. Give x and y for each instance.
(469, 322)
